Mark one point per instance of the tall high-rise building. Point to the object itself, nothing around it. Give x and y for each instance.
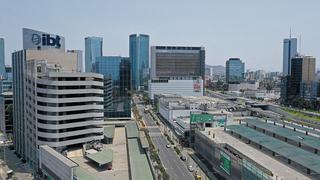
(117, 85)
(93, 49)
(2, 59)
(303, 71)
(53, 103)
(177, 69)
(289, 52)
(139, 57)
(234, 71)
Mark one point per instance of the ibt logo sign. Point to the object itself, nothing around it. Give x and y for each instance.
(46, 40)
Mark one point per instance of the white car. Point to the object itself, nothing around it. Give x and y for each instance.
(190, 168)
(168, 146)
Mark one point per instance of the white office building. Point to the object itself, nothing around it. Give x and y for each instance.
(177, 70)
(53, 103)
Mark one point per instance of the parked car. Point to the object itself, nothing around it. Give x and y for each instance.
(183, 158)
(168, 146)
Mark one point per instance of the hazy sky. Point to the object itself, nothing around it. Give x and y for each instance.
(250, 29)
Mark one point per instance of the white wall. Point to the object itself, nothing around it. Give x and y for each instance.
(179, 87)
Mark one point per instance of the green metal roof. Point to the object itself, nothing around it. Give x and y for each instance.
(132, 130)
(295, 136)
(296, 154)
(102, 157)
(143, 140)
(109, 131)
(308, 129)
(139, 165)
(82, 174)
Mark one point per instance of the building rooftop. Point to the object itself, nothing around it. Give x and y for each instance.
(109, 131)
(132, 130)
(139, 165)
(295, 154)
(102, 157)
(82, 174)
(278, 169)
(295, 136)
(143, 139)
(59, 156)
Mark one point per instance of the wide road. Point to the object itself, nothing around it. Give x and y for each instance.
(176, 169)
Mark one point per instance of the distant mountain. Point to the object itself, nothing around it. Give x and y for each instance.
(216, 70)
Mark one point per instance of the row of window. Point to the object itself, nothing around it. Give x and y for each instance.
(68, 138)
(69, 112)
(69, 104)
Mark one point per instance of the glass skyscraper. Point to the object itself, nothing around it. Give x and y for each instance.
(139, 57)
(234, 71)
(117, 85)
(289, 52)
(93, 49)
(2, 67)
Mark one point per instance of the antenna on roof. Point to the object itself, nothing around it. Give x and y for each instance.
(290, 33)
(300, 40)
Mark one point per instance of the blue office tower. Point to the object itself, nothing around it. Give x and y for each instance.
(139, 57)
(117, 86)
(93, 49)
(2, 61)
(234, 71)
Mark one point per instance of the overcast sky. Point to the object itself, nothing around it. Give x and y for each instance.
(250, 29)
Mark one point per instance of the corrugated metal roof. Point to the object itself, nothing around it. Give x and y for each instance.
(132, 130)
(295, 154)
(139, 165)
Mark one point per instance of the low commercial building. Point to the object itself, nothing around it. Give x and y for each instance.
(243, 86)
(56, 166)
(233, 159)
(186, 87)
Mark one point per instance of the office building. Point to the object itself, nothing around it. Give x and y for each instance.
(117, 86)
(6, 114)
(53, 103)
(6, 81)
(139, 56)
(93, 49)
(289, 52)
(178, 70)
(302, 74)
(2, 59)
(234, 71)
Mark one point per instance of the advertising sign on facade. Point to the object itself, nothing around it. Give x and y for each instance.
(33, 39)
(201, 118)
(196, 86)
(225, 162)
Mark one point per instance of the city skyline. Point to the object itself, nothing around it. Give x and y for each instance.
(222, 33)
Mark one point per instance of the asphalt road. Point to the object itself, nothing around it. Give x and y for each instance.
(176, 169)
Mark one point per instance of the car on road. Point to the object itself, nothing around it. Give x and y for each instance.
(168, 146)
(190, 168)
(183, 158)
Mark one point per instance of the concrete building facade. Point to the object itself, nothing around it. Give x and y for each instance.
(178, 70)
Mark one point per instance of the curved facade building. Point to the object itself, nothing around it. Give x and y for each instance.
(61, 108)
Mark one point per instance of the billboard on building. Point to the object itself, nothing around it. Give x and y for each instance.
(201, 118)
(33, 39)
(225, 162)
(196, 85)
